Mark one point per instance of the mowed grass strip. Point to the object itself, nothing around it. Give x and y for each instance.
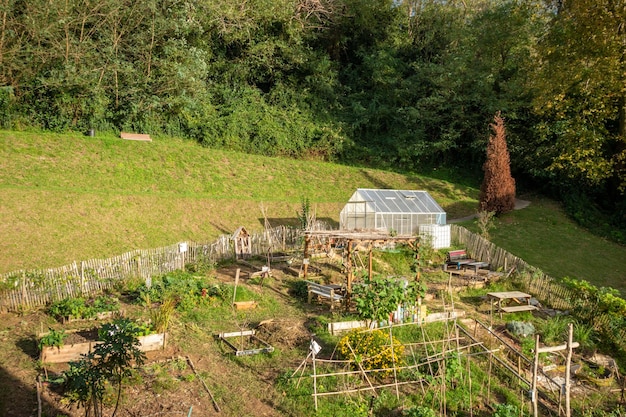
(68, 198)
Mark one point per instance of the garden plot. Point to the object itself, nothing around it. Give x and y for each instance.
(83, 342)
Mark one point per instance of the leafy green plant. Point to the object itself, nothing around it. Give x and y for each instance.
(79, 308)
(53, 338)
(105, 303)
(298, 289)
(585, 335)
(375, 299)
(111, 360)
(554, 330)
(528, 346)
(188, 290)
(505, 410)
(305, 216)
(67, 307)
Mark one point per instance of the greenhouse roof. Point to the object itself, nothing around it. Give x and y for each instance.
(397, 201)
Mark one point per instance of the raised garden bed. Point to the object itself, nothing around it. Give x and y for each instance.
(72, 351)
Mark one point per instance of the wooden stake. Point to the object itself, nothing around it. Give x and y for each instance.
(568, 368)
(193, 368)
(314, 380)
(533, 389)
(38, 397)
(305, 265)
(393, 357)
(369, 268)
(236, 283)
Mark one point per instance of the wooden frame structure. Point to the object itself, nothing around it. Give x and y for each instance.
(247, 338)
(241, 242)
(354, 241)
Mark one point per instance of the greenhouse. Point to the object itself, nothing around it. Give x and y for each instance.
(398, 211)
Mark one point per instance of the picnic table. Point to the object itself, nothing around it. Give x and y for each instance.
(476, 266)
(499, 298)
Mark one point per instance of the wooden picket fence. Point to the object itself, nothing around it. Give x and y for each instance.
(30, 289)
(532, 280)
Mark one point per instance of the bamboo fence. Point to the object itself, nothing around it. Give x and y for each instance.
(30, 289)
(545, 288)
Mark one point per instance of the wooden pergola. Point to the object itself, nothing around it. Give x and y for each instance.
(354, 240)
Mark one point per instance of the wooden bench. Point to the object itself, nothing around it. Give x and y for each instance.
(457, 258)
(517, 309)
(323, 291)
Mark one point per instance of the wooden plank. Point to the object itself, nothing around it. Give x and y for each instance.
(548, 349)
(68, 353)
(237, 334)
(245, 305)
(135, 136)
(151, 342)
(516, 309)
(344, 326)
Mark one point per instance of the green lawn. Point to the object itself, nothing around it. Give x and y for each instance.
(66, 198)
(545, 237)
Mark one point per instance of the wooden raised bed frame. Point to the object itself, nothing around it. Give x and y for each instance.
(69, 353)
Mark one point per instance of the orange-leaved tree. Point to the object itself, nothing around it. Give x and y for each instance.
(497, 192)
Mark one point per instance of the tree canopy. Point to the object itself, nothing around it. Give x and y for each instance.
(408, 84)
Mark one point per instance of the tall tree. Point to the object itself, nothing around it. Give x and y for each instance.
(581, 90)
(497, 192)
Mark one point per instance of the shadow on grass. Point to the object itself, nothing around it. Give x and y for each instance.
(294, 222)
(19, 399)
(377, 182)
(28, 345)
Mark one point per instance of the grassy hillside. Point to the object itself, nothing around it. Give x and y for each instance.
(66, 198)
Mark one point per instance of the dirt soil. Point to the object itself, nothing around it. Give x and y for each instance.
(167, 384)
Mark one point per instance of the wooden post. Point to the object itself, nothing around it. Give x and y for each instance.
(533, 389)
(349, 267)
(568, 367)
(369, 267)
(314, 380)
(305, 264)
(569, 346)
(236, 282)
(82, 278)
